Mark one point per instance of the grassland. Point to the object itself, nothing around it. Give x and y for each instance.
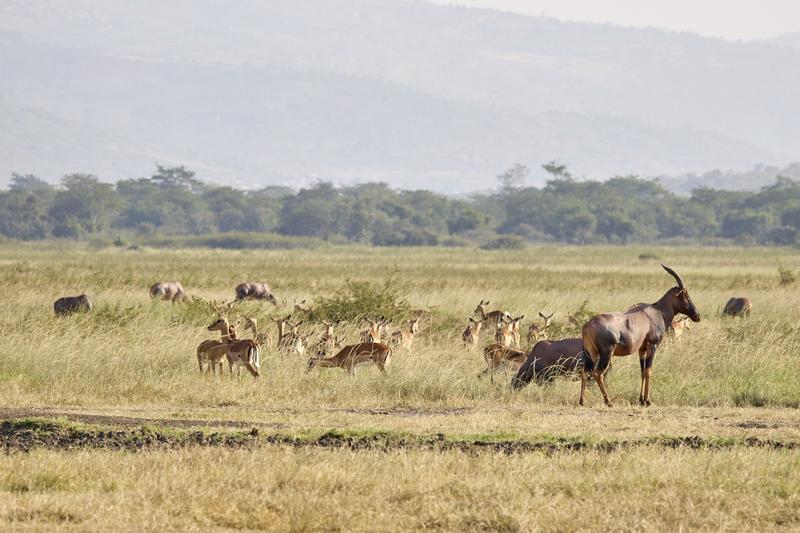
(717, 451)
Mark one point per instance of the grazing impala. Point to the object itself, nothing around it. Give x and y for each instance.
(492, 317)
(239, 353)
(376, 328)
(405, 338)
(171, 291)
(640, 329)
(472, 333)
(350, 357)
(538, 332)
(499, 357)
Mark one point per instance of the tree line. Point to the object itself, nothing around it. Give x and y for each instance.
(621, 210)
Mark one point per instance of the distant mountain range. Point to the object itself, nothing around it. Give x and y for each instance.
(418, 95)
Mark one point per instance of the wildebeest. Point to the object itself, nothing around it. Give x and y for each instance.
(548, 359)
(738, 307)
(168, 290)
(256, 291)
(640, 329)
(72, 304)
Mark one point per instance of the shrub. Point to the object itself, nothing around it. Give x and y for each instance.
(506, 242)
(358, 299)
(648, 257)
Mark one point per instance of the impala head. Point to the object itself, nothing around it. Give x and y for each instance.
(680, 299)
(314, 360)
(294, 328)
(220, 324)
(481, 307)
(251, 324)
(547, 319)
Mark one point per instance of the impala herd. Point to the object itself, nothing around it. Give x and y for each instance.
(640, 329)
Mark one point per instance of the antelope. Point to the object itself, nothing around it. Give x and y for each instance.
(203, 355)
(494, 317)
(293, 343)
(404, 338)
(537, 332)
(328, 341)
(640, 329)
(514, 326)
(738, 307)
(171, 291)
(499, 357)
(678, 326)
(239, 353)
(548, 359)
(262, 337)
(376, 327)
(472, 332)
(503, 334)
(302, 307)
(350, 357)
(72, 304)
(255, 291)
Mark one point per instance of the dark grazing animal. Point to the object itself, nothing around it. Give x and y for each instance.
(72, 304)
(548, 359)
(255, 291)
(738, 307)
(640, 329)
(168, 290)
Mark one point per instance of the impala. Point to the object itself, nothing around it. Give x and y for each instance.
(405, 338)
(376, 328)
(350, 357)
(328, 341)
(239, 353)
(499, 357)
(494, 317)
(503, 334)
(203, 355)
(472, 333)
(537, 332)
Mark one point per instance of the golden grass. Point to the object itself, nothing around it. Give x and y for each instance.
(135, 358)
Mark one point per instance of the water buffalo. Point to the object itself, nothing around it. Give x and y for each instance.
(168, 290)
(256, 291)
(548, 359)
(738, 307)
(72, 304)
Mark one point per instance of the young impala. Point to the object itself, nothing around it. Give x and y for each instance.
(492, 317)
(499, 357)
(239, 353)
(405, 338)
(375, 331)
(503, 333)
(472, 333)
(538, 332)
(350, 357)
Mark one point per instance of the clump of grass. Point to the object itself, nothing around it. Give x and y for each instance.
(786, 276)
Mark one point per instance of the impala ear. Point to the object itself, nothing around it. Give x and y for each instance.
(542, 315)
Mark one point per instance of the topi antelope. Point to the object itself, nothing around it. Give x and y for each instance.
(538, 332)
(350, 357)
(472, 333)
(738, 307)
(255, 291)
(405, 338)
(549, 359)
(72, 304)
(499, 357)
(171, 291)
(492, 317)
(640, 329)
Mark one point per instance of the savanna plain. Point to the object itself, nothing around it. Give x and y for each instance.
(107, 423)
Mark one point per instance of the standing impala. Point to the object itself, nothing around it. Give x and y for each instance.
(492, 317)
(239, 353)
(640, 329)
(503, 334)
(537, 332)
(472, 333)
(405, 338)
(350, 357)
(376, 328)
(204, 359)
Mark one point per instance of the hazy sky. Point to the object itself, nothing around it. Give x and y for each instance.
(731, 19)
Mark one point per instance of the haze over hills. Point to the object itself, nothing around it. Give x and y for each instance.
(416, 94)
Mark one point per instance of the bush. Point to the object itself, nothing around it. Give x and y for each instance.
(359, 299)
(506, 242)
(648, 257)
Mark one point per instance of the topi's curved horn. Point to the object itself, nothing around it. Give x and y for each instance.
(675, 275)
